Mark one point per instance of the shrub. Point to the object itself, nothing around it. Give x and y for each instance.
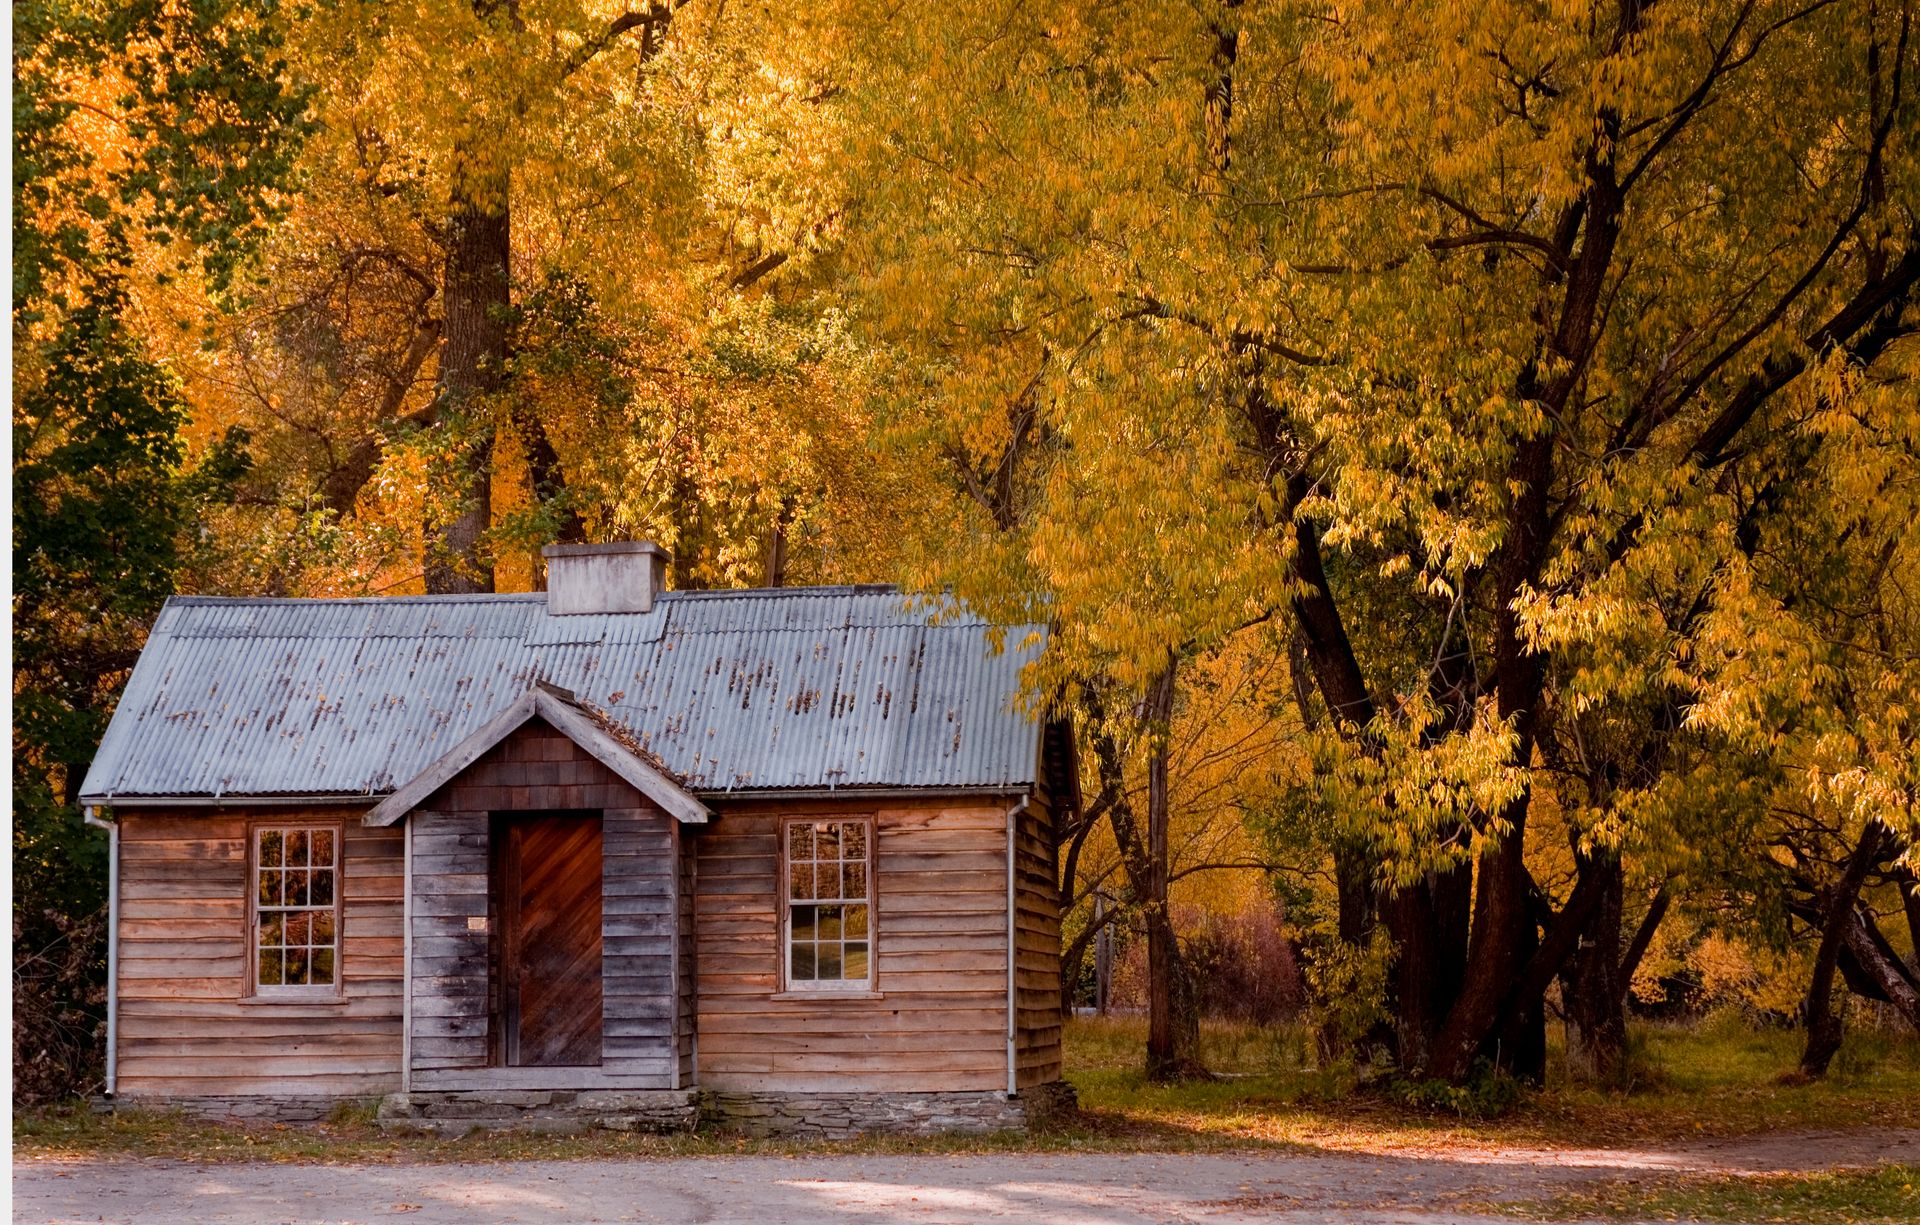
(1243, 966)
(59, 1022)
(1487, 1094)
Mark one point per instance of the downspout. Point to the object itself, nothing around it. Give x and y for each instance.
(406, 956)
(1013, 1066)
(113, 944)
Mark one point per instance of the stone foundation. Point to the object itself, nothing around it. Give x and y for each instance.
(247, 1109)
(797, 1115)
(557, 1111)
(843, 1115)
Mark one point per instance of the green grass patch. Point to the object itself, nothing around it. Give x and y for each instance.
(1879, 1196)
(1721, 1078)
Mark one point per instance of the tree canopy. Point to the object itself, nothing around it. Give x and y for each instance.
(1469, 453)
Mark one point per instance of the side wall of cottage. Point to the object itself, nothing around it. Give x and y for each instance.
(190, 1024)
(1037, 945)
(936, 1021)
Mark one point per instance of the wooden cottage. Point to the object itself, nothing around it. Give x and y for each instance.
(603, 852)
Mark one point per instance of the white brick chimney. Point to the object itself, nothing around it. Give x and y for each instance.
(620, 576)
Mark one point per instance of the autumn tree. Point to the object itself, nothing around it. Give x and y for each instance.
(150, 141)
(1521, 333)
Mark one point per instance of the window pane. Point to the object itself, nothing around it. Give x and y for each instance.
(270, 968)
(296, 848)
(321, 893)
(829, 923)
(270, 887)
(826, 840)
(803, 923)
(295, 889)
(799, 842)
(322, 930)
(801, 885)
(802, 963)
(271, 935)
(269, 848)
(855, 965)
(856, 922)
(323, 847)
(853, 840)
(853, 880)
(323, 966)
(827, 962)
(298, 927)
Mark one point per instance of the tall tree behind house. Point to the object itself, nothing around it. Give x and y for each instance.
(1516, 458)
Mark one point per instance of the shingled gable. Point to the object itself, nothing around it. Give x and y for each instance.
(564, 713)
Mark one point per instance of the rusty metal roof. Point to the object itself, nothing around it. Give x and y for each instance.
(775, 689)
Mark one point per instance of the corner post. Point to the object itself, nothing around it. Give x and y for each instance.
(1013, 913)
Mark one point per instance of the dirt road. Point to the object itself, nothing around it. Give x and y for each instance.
(1020, 1189)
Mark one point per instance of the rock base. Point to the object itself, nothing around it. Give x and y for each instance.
(248, 1109)
(554, 1112)
(795, 1115)
(844, 1115)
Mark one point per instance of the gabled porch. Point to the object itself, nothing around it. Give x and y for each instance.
(548, 919)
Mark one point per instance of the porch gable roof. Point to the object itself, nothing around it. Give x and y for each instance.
(578, 723)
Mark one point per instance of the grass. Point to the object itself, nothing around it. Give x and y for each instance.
(1881, 1196)
(1716, 1079)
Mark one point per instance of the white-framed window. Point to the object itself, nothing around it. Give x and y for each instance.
(829, 904)
(296, 909)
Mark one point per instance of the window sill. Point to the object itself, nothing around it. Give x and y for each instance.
(817, 996)
(273, 1001)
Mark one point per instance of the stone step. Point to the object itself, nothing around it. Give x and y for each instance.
(556, 1111)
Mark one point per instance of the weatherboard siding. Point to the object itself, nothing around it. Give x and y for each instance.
(189, 1023)
(940, 943)
(1036, 960)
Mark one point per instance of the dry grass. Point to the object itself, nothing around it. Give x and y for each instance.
(1717, 1079)
(1887, 1195)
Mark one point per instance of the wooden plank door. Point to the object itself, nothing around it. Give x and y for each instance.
(550, 912)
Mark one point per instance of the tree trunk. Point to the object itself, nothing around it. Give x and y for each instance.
(473, 357)
(1592, 990)
(774, 568)
(1823, 1022)
(1173, 1015)
(1428, 923)
(1908, 884)
(689, 522)
(547, 481)
(1879, 964)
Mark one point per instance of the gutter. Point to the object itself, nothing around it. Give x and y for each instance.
(113, 944)
(1013, 1029)
(231, 801)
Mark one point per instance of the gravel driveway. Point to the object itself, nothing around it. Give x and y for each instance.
(1049, 1189)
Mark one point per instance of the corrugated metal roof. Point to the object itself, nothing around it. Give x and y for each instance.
(831, 687)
